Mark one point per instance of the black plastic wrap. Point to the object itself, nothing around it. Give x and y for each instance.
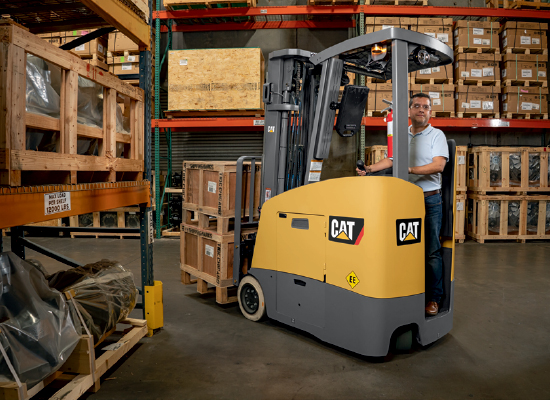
(105, 293)
(38, 330)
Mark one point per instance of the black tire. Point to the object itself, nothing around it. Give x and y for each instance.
(403, 341)
(251, 299)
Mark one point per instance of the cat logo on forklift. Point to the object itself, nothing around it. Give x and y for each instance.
(346, 230)
(408, 231)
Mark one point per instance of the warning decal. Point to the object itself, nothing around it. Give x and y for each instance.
(352, 279)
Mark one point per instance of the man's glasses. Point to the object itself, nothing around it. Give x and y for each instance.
(417, 106)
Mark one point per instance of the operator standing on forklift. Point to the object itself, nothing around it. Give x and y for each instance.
(428, 154)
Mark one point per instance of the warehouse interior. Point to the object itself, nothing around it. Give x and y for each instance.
(134, 245)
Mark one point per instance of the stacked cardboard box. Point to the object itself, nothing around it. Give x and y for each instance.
(123, 54)
(375, 24)
(524, 37)
(473, 35)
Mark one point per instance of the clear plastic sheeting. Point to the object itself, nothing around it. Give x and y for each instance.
(122, 121)
(90, 103)
(534, 169)
(38, 140)
(513, 218)
(105, 293)
(532, 217)
(87, 146)
(41, 96)
(495, 166)
(515, 169)
(109, 219)
(494, 217)
(38, 330)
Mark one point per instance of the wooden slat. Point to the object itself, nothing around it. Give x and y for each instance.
(71, 109)
(23, 160)
(123, 138)
(4, 158)
(89, 131)
(42, 122)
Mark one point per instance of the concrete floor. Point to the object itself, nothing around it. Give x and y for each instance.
(499, 347)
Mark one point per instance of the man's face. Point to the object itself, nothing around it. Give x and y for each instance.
(420, 111)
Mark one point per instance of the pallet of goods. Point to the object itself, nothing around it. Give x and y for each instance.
(378, 93)
(525, 102)
(504, 217)
(375, 24)
(215, 82)
(481, 69)
(508, 169)
(64, 140)
(396, 2)
(524, 70)
(518, 4)
(123, 217)
(524, 37)
(441, 97)
(476, 37)
(477, 101)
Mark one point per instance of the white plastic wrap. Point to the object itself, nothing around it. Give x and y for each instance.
(90, 103)
(534, 169)
(494, 217)
(495, 165)
(513, 217)
(41, 97)
(38, 330)
(515, 169)
(532, 216)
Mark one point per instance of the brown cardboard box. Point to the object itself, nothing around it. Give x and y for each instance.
(95, 46)
(525, 100)
(438, 74)
(524, 35)
(375, 24)
(483, 67)
(123, 59)
(378, 92)
(119, 42)
(442, 96)
(124, 68)
(525, 67)
(438, 28)
(477, 99)
(476, 34)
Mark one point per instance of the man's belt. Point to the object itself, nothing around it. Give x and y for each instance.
(432, 192)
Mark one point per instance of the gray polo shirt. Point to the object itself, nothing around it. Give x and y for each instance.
(423, 147)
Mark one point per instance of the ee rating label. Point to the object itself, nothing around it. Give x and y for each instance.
(57, 202)
(352, 279)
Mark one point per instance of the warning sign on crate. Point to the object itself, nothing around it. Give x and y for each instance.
(57, 202)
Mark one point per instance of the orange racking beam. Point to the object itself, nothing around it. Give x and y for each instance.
(24, 205)
(239, 26)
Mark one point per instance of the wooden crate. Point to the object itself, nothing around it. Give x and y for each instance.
(208, 255)
(373, 154)
(460, 219)
(215, 79)
(502, 217)
(209, 187)
(500, 169)
(82, 370)
(20, 166)
(121, 212)
(461, 162)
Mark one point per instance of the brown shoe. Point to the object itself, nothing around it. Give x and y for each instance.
(432, 308)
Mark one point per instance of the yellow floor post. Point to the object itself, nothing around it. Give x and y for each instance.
(154, 307)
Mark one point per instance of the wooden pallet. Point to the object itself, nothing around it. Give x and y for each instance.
(188, 4)
(524, 116)
(22, 167)
(213, 113)
(396, 2)
(371, 80)
(477, 82)
(208, 222)
(82, 370)
(477, 115)
(170, 232)
(537, 5)
(376, 113)
(430, 81)
(97, 62)
(125, 53)
(443, 114)
(489, 217)
(527, 83)
(331, 2)
(521, 50)
(479, 50)
(224, 295)
(121, 223)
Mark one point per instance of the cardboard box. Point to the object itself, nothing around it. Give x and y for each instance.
(438, 74)
(375, 24)
(95, 46)
(525, 100)
(442, 96)
(378, 92)
(483, 67)
(124, 68)
(476, 34)
(477, 99)
(524, 35)
(119, 42)
(525, 67)
(438, 28)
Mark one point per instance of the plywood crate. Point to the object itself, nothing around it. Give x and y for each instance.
(208, 255)
(477, 69)
(525, 102)
(373, 154)
(476, 36)
(460, 218)
(477, 101)
(461, 172)
(508, 169)
(524, 70)
(441, 98)
(209, 187)
(123, 217)
(120, 153)
(504, 217)
(215, 79)
(524, 37)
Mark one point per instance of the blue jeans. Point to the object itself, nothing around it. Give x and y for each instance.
(434, 261)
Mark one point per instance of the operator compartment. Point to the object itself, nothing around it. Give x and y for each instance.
(363, 234)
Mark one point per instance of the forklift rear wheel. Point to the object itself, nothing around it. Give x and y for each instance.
(403, 342)
(251, 298)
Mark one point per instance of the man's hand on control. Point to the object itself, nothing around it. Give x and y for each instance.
(360, 172)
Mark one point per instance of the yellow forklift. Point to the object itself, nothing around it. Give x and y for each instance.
(342, 259)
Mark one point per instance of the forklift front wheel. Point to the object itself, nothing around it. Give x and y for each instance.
(251, 298)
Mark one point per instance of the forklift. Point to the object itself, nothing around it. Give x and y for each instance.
(342, 259)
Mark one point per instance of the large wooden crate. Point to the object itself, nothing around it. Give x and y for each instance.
(461, 172)
(504, 217)
(20, 166)
(209, 187)
(208, 255)
(123, 217)
(502, 169)
(460, 219)
(215, 79)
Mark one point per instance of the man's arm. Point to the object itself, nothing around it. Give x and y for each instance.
(379, 166)
(437, 165)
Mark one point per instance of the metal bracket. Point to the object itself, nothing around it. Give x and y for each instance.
(86, 38)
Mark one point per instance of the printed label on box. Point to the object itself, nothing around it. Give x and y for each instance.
(436, 102)
(489, 71)
(535, 106)
(465, 105)
(475, 103)
(456, 40)
(478, 31)
(477, 73)
(183, 62)
(504, 34)
(426, 71)
(542, 74)
(526, 106)
(464, 74)
(82, 47)
(504, 42)
(504, 96)
(459, 206)
(100, 48)
(209, 250)
(486, 42)
(505, 107)
(131, 58)
(526, 73)
(212, 187)
(430, 34)
(525, 40)
(435, 69)
(503, 73)
(477, 40)
(487, 105)
(443, 37)
(461, 160)
(535, 41)
(433, 95)
(127, 66)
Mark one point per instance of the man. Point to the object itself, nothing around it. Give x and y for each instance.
(428, 154)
